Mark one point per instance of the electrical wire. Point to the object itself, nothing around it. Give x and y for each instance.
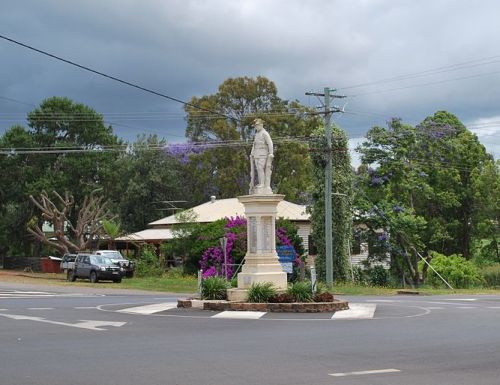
(433, 71)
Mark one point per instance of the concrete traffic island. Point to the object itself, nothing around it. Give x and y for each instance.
(293, 307)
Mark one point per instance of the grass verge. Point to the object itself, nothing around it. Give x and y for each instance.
(188, 284)
(167, 284)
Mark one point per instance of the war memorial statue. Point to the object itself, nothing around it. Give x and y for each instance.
(261, 160)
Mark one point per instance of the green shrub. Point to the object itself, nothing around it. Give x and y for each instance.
(261, 292)
(174, 272)
(359, 275)
(148, 264)
(301, 291)
(459, 272)
(378, 276)
(214, 288)
(491, 275)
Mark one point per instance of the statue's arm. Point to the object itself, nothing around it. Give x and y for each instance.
(269, 145)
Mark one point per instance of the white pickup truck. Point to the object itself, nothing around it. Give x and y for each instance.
(127, 265)
(68, 262)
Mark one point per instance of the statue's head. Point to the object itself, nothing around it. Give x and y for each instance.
(258, 123)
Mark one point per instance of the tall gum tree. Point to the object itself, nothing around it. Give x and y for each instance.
(227, 116)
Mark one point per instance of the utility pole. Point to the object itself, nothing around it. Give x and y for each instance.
(328, 111)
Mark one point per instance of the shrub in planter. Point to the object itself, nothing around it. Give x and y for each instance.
(214, 288)
(261, 292)
(323, 297)
(283, 298)
(301, 291)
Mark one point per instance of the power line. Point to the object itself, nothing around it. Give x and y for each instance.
(433, 71)
(115, 78)
(426, 84)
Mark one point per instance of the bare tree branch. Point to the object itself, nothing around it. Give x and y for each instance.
(88, 225)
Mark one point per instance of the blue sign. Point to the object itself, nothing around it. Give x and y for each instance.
(286, 254)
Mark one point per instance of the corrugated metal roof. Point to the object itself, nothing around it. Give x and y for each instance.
(225, 208)
(148, 235)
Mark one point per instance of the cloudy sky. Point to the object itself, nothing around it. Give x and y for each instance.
(402, 58)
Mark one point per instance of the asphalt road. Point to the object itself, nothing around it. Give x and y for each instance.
(52, 336)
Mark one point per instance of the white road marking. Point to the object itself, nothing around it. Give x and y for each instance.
(434, 308)
(84, 324)
(150, 309)
(240, 314)
(460, 299)
(357, 311)
(364, 372)
(85, 307)
(493, 307)
(466, 307)
(40, 308)
(4, 309)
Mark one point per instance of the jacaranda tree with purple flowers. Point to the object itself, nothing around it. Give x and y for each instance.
(420, 185)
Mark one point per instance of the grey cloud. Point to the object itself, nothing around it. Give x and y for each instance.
(187, 48)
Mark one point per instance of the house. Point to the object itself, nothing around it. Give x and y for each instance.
(161, 230)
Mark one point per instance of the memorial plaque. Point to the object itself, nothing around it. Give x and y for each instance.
(252, 239)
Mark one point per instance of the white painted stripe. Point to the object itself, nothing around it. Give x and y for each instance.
(493, 307)
(85, 307)
(460, 299)
(434, 308)
(364, 372)
(4, 309)
(150, 309)
(357, 311)
(240, 314)
(40, 308)
(466, 307)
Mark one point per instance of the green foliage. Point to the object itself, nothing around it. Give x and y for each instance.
(459, 272)
(174, 273)
(214, 288)
(141, 180)
(301, 291)
(378, 276)
(261, 292)
(429, 190)
(245, 99)
(148, 264)
(360, 276)
(491, 275)
(341, 214)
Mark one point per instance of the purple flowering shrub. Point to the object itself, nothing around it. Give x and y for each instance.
(212, 263)
(212, 259)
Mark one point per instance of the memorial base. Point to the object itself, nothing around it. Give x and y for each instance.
(261, 261)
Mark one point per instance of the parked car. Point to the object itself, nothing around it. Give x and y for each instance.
(127, 265)
(67, 262)
(95, 267)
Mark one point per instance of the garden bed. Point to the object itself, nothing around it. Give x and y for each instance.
(294, 307)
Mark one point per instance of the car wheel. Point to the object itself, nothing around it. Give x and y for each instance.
(93, 277)
(117, 280)
(71, 276)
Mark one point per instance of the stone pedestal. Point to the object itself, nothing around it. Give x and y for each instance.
(261, 260)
